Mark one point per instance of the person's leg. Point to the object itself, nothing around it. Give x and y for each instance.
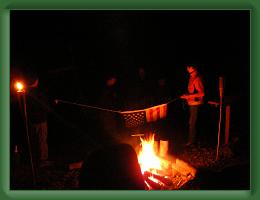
(192, 124)
(34, 143)
(42, 132)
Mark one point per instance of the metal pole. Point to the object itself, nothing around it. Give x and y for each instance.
(28, 139)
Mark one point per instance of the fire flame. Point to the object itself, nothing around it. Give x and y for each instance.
(147, 157)
(162, 172)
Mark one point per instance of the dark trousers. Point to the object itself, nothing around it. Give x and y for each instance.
(39, 141)
(193, 116)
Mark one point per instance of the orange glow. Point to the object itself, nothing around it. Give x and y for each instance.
(147, 157)
(19, 86)
(162, 173)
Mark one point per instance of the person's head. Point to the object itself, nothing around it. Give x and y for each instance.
(162, 82)
(192, 69)
(111, 81)
(141, 72)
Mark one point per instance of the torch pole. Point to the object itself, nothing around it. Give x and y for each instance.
(221, 91)
(28, 139)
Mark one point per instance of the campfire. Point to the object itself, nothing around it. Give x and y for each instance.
(160, 170)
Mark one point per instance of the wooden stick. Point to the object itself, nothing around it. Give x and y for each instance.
(160, 178)
(227, 126)
(152, 184)
(221, 92)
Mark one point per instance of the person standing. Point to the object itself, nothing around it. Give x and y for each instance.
(194, 98)
(38, 109)
(161, 126)
(137, 95)
(110, 99)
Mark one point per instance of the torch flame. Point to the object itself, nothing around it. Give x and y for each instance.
(19, 86)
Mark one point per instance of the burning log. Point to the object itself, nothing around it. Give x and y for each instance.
(158, 182)
(166, 165)
(184, 168)
(162, 172)
(164, 180)
(153, 185)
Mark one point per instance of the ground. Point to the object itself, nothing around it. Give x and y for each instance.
(230, 171)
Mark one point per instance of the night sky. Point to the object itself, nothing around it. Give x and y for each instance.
(73, 52)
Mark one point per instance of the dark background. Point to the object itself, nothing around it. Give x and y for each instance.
(73, 51)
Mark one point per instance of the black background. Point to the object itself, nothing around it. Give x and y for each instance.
(73, 51)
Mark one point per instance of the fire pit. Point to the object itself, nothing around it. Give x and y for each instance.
(162, 172)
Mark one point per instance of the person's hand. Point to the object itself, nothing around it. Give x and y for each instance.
(184, 96)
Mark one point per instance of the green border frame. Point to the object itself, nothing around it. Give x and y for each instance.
(7, 5)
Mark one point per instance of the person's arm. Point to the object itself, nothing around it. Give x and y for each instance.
(199, 87)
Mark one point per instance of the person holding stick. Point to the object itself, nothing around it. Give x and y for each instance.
(194, 98)
(38, 109)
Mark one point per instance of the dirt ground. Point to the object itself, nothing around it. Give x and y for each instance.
(230, 171)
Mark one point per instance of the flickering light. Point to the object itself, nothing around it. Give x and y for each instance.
(19, 86)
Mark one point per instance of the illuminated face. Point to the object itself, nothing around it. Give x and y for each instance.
(141, 72)
(191, 69)
(111, 81)
(162, 82)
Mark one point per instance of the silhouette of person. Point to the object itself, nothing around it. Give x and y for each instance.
(38, 108)
(110, 99)
(138, 94)
(161, 95)
(112, 167)
(194, 98)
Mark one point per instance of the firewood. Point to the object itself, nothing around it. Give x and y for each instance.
(153, 185)
(165, 181)
(184, 168)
